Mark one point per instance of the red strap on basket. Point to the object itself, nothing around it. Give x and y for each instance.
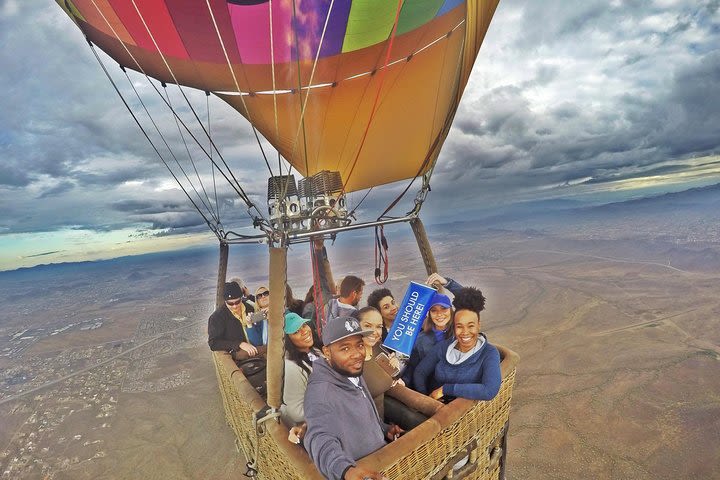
(382, 259)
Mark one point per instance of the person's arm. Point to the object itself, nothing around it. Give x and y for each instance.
(424, 369)
(437, 280)
(254, 333)
(216, 334)
(361, 473)
(294, 387)
(323, 444)
(490, 376)
(412, 363)
(453, 286)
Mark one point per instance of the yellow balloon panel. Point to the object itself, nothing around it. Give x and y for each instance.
(410, 113)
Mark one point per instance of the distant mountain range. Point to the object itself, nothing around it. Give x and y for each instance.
(700, 197)
(687, 205)
(187, 256)
(700, 200)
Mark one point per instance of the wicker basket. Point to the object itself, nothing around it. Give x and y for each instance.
(462, 428)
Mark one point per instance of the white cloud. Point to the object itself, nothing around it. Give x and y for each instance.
(9, 8)
(561, 92)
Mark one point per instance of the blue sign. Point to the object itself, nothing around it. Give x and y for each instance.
(408, 322)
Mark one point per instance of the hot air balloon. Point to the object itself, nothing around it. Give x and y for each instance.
(352, 94)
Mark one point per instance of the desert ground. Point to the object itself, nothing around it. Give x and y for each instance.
(617, 380)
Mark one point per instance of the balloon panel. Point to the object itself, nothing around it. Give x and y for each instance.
(263, 69)
(410, 116)
(238, 34)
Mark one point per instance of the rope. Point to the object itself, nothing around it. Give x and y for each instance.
(212, 166)
(152, 144)
(242, 100)
(377, 94)
(272, 69)
(162, 137)
(312, 75)
(238, 189)
(438, 138)
(382, 260)
(192, 162)
(303, 108)
(352, 212)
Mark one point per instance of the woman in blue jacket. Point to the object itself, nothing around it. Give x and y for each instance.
(466, 366)
(437, 327)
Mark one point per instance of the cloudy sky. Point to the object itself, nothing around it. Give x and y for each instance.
(590, 100)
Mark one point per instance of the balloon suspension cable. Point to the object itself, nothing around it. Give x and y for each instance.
(242, 100)
(254, 130)
(431, 157)
(236, 186)
(299, 79)
(152, 144)
(231, 180)
(352, 212)
(189, 104)
(303, 107)
(274, 87)
(167, 145)
(376, 102)
(190, 158)
(212, 167)
(382, 259)
(374, 71)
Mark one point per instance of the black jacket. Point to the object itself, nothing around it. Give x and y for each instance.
(225, 331)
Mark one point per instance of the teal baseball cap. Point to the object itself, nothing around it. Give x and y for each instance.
(293, 322)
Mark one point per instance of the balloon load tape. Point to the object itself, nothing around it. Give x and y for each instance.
(313, 203)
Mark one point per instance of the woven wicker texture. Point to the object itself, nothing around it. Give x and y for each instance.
(467, 428)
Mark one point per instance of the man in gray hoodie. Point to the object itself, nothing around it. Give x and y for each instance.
(343, 423)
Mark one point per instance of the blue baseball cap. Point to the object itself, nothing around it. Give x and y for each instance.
(440, 299)
(293, 322)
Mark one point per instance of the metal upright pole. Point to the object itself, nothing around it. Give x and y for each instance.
(424, 245)
(222, 274)
(276, 320)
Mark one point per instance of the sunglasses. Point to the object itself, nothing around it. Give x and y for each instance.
(263, 294)
(233, 303)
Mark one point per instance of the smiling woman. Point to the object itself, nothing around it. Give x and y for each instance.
(467, 366)
(299, 357)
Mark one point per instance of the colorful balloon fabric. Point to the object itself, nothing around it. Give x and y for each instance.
(332, 84)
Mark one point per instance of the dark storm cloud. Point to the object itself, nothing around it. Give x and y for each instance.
(563, 93)
(174, 220)
(61, 187)
(587, 93)
(13, 176)
(146, 207)
(69, 149)
(696, 94)
(43, 254)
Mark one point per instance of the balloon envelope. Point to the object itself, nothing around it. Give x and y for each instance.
(329, 83)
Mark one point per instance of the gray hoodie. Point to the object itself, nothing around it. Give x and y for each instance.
(343, 423)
